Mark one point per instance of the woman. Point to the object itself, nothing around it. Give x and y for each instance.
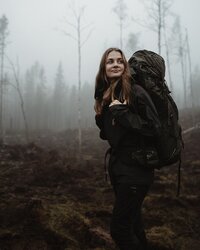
(128, 120)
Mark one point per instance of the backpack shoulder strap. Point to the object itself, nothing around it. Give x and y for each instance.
(144, 105)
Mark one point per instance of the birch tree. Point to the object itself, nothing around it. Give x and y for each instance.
(78, 28)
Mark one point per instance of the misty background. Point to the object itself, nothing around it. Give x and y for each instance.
(48, 65)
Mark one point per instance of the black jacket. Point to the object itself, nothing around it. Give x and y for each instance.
(127, 128)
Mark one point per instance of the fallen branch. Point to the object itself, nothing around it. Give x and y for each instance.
(196, 127)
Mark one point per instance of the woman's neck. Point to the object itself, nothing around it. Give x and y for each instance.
(116, 90)
(114, 81)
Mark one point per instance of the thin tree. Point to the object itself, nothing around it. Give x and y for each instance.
(120, 10)
(3, 44)
(159, 22)
(79, 28)
(190, 77)
(196, 86)
(182, 56)
(40, 100)
(17, 87)
(171, 87)
(181, 53)
(157, 11)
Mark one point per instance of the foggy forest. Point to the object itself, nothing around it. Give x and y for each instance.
(53, 194)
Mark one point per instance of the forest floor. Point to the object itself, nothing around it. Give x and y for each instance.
(52, 200)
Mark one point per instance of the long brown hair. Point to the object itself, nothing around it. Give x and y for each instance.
(104, 91)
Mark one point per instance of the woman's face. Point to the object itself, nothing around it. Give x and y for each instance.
(114, 65)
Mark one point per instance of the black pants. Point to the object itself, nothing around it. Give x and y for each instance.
(126, 224)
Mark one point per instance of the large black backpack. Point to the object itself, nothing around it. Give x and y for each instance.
(148, 70)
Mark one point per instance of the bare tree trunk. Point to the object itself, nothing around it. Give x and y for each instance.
(168, 60)
(78, 29)
(3, 35)
(17, 87)
(79, 88)
(190, 77)
(120, 10)
(23, 114)
(159, 25)
(169, 70)
(183, 77)
(1, 93)
(121, 30)
(183, 67)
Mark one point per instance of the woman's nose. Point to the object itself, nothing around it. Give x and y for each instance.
(115, 63)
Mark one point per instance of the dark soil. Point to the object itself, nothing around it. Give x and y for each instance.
(52, 200)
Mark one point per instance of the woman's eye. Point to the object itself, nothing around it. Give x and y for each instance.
(120, 61)
(109, 62)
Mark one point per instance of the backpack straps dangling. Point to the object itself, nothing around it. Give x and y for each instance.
(179, 178)
(108, 153)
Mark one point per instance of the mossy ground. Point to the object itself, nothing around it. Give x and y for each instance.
(50, 200)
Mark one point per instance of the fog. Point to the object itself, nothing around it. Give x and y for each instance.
(36, 26)
(37, 33)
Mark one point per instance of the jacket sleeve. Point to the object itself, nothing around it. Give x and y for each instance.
(99, 123)
(142, 117)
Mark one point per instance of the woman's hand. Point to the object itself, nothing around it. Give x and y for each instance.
(116, 102)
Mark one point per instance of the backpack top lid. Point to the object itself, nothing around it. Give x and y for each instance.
(148, 63)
